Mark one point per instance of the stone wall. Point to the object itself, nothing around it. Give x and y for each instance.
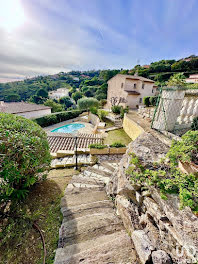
(161, 233)
(147, 112)
(132, 129)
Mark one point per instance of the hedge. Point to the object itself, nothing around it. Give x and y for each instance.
(57, 117)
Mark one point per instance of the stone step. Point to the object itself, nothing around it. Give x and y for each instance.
(79, 197)
(96, 176)
(86, 180)
(108, 166)
(87, 209)
(83, 186)
(92, 226)
(114, 248)
(102, 168)
(99, 171)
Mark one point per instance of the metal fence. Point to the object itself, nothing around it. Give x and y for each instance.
(176, 109)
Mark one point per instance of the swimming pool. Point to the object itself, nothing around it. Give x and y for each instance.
(70, 128)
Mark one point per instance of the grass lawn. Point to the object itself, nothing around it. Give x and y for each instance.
(117, 135)
(19, 241)
(108, 123)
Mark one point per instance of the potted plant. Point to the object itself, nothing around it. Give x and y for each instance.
(98, 149)
(117, 148)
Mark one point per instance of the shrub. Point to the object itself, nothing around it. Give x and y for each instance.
(55, 106)
(103, 102)
(123, 111)
(24, 154)
(117, 145)
(146, 101)
(87, 103)
(56, 118)
(194, 125)
(153, 100)
(116, 109)
(98, 146)
(185, 150)
(102, 114)
(94, 110)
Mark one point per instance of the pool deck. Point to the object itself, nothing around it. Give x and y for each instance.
(88, 128)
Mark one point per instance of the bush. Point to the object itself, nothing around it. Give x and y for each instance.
(153, 100)
(103, 102)
(98, 146)
(116, 109)
(194, 125)
(24, 154)
(55, 106)
(102, 114)
(94, 110)
(146, 101)
(87, 103)
(117, 145)
(57, 118)
(123, 111)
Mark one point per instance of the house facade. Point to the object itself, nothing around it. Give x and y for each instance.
(59, 93)
(193, 78)
(129, 90)
(26, 110)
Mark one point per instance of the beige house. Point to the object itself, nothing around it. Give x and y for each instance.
(26, 110)
(129, 90)
(193, 78)
(59, 93)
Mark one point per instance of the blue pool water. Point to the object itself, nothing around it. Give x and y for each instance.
(70, 128)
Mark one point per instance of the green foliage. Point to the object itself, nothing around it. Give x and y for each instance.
(117, 145)
(87, 103)
(194, 125)
(57, 118)
(168, 179)
(76, 96)
(116, 109)
(66, 101)
(153, 100)
(55, 106)
(146, 100)
(177, 79)
(185, 150)
(123, 111)
(103, 102)
(42, 93)
(24, 154)
(94, 110)
(102, 114)
(12, 98)
(98, 146)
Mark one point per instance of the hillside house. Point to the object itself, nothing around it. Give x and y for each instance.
(26, 110)
(59, 93)
(129, 90)
(193, 78)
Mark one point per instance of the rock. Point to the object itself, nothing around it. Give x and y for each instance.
(146, 193)
(161, 257)
(143, 245)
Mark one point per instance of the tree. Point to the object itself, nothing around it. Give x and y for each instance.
(87, 103)
(42, 93)
(146, 100)
(12, 98)
(25, 156)
(177, 79)
(66, 101)
(55, 106)
(76, 96)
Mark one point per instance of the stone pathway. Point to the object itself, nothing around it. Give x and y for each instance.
(70, 161)
(91, 232)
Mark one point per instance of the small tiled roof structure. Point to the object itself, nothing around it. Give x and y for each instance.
(20, 107)
(66, 141)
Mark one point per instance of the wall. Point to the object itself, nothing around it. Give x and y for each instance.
(147, 112)
(132, 129)
(35, 114)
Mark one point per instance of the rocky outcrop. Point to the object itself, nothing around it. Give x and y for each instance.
(161, 232)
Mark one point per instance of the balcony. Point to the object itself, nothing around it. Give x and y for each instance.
(131, 89)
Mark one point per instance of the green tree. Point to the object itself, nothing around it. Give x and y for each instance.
(76, 96)
(66, 101)
(24, 156)
(12, 98)
(177, 79)
(87, 103)
(55, 106)
(42, 93)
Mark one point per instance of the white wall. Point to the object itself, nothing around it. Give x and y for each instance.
(35, 114)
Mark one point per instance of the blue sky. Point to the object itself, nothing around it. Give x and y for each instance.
(48, 36)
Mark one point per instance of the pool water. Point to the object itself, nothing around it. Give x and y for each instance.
(70, 128)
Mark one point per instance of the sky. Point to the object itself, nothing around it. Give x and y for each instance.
(40, 37)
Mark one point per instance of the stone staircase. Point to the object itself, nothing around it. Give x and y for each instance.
(91, 232)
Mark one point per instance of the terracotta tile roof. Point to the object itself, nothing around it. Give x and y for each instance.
(133, 77)
(64, 141)
(21, 107)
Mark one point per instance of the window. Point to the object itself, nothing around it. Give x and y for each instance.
(122, 84)
(134, 86)
(142, 85)
(152, 90)
(140, 101)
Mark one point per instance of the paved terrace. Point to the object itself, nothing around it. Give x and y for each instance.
(66, 141)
